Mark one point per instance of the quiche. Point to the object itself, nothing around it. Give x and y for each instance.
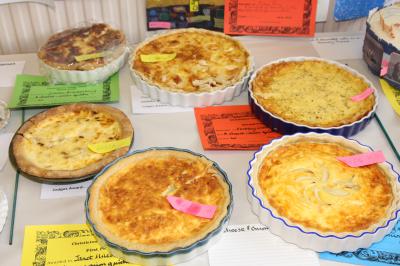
(311, 92)
(200, 61)
(54, 144)
(127, 204)
(100, 42)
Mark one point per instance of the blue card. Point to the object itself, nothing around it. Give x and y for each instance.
(385, 252)
(352, 9)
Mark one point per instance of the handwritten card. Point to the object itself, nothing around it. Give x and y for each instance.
(143, 104)
(253, 244)
(266, 17)
(8, 72)
(231, 128)
(60, 245)
(383, 253)
(5, 140)
(350, 47)
(363, 159)
(64, 191)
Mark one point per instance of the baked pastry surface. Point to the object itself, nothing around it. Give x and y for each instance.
(312, 93)
(128, 203)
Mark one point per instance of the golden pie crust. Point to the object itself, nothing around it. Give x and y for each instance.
(60, 49)
(128, 203)
(305, 183)
(54, 144)
(205, 61)
(312, 93)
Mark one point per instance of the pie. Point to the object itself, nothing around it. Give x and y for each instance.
(128, 207)
(61, 49)
(203, 61)
(311, 92)
(54, 144)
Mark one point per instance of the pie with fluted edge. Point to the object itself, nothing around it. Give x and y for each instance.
(61, 49)
(305, 183)
(128, 202)
(54, 144)
(313, 93)
(204, 61)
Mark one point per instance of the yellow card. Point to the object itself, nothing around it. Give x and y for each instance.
(85, 57)
(194, 5)
(105, 147)
(392, 94)
(152, 58)
(60, 245)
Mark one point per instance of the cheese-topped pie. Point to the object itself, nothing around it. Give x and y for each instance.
(128, 205)
(313, 93)
(201, 61)
(54, 143)
(62, 50)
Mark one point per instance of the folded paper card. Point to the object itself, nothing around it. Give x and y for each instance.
(8, 72)
(231, 128)
(392, 94)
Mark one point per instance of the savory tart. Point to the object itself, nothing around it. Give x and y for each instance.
(319, 198)
(311, 92)
(54, 144)
(127, 203)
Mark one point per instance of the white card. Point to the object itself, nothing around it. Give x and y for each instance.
(5, 140)
(253, 244)
(64, 191)
(339, 47)
(9, 71)
(143, 104)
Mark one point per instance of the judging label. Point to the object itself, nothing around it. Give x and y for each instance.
(84, 57)
(194, 5)
(152, 58)
(105, 147)
(362, 95)
(384, 67)
(159, 25)
(193, 208)
(363, 159)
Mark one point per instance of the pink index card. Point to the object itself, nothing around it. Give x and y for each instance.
(363, 95)
(159, 24)
(193, 208)
(384, 67)
(363, 159)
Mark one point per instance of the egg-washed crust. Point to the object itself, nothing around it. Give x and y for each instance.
(101, 115)
(305, 183)
(312, 93)
(128, 204)
(205, 61)
(61, 48)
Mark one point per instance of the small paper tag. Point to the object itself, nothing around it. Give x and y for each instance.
(363, 159)
(194, 5)
(362, 95)
(84, 57)
(384, 67)
(152, 58)
(105, 147)
(193, 208)
(159, 25)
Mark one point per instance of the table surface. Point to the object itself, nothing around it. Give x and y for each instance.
(177, 130)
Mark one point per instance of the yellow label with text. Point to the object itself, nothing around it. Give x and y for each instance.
(84, 57)
(392, 94)
(69, 244)
(194, 5)
(105, 147)
(152, 58)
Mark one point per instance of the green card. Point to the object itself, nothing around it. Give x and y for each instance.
(35, 91)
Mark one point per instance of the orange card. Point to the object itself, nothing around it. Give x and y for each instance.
(270, 17)
(231, 128)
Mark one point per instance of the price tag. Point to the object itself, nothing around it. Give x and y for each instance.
(363, 159)
(84, 57)
(194, 5)
(153, 58)
(105, 147)
(362, 95)
(193, 208)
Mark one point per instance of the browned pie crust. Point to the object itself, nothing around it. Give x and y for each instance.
(61, 48)
(30, 167)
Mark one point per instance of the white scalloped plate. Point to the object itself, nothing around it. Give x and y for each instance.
(3, 209)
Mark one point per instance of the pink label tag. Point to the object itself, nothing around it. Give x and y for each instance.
(159, 24)
(384, 67)
(363, 95)
(363, 159)
(193, 208)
